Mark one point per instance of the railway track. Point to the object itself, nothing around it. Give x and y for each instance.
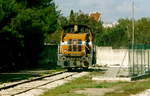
(29, 80)
(36, 86)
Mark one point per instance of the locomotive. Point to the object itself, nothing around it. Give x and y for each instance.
(76, 48)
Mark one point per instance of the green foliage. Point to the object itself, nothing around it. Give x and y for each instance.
(49, 57)
(36, 3)
(120, 35)
(24, 25)
(111, 36)
(8, 11)
(142, 30)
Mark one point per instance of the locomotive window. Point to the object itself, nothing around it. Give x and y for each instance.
(74, 47)
(79, 42)
(79, 46)
(69, 30)
(74, 41)
(69, 41)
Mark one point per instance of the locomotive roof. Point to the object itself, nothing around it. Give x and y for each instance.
(79, 25)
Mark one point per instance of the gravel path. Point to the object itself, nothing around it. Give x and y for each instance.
(94, 91)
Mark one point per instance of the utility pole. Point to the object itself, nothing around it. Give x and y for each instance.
(133, 37)
(133, 24)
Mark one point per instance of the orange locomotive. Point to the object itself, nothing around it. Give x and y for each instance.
(76, 47)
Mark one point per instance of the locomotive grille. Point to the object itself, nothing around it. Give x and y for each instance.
(74, 45)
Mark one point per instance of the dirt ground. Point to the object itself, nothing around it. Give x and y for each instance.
(95, 91)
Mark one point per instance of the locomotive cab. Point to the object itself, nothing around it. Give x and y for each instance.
(75, 49)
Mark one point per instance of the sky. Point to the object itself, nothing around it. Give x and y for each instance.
(111, 10)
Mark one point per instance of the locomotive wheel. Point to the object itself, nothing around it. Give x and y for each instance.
(69, 69)
(85, 68)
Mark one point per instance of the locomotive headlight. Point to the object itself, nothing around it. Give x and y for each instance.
(83, 42)
(65, 50)
(63, 43)
(90, 43)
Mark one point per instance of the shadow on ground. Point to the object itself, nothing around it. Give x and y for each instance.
(4, 78)
(88, 70)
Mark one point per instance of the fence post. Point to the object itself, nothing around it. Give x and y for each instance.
(148, 59)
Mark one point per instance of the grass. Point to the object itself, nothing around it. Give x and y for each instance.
(122, 88)
(5, 78)
(131, 88)
(12, 77)
(80, 83)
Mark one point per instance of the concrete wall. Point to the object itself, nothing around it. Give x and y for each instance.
(108, 56)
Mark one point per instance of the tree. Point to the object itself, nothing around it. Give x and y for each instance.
(121, 34)
(25, 24)
(72, 17)
(142, 30)
(8, 39)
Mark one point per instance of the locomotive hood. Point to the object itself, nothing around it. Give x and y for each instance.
(81, 36)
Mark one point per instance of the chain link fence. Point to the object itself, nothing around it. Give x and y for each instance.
(139, 59)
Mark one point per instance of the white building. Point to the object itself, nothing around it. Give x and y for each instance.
(109, 25)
